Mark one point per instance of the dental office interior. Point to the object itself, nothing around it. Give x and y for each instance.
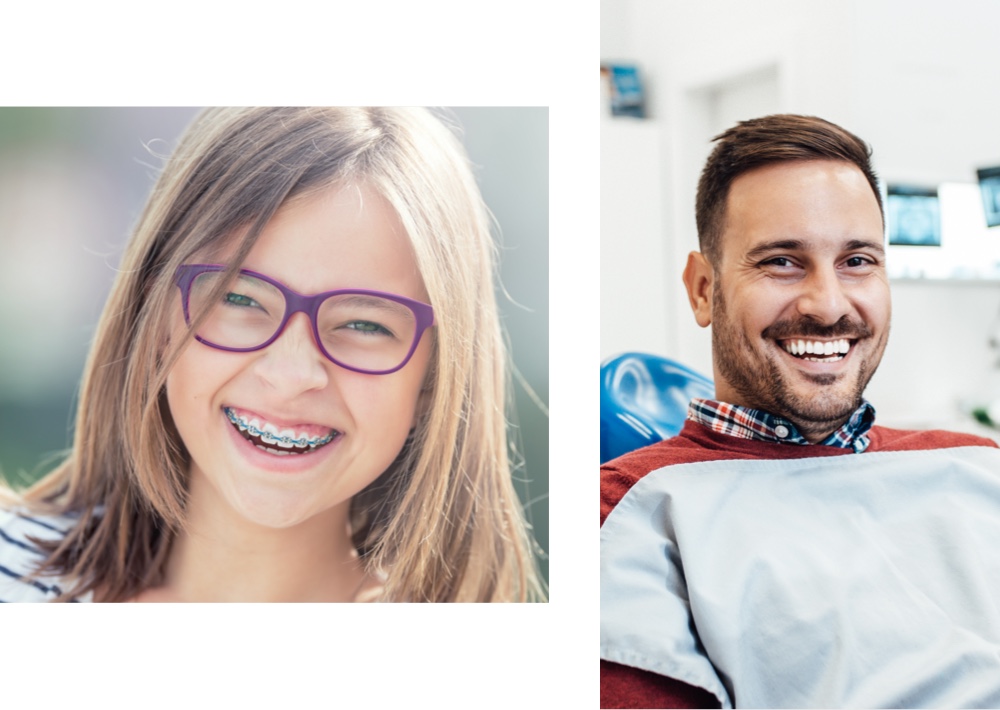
(916, 79)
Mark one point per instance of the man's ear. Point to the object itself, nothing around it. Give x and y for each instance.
(698, 278)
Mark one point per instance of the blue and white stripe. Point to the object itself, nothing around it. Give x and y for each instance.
(20, 556)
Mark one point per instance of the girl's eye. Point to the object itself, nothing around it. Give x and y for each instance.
(367, 326)
(238, 299)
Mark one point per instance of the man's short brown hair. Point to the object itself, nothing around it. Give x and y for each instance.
(764, 141)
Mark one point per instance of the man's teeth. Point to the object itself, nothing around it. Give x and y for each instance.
(270, 434)
(822, 349)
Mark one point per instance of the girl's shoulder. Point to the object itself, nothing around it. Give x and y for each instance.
(20, 554)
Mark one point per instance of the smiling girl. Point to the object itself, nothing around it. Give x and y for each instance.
(297, 387)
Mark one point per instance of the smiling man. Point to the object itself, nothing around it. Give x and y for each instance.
(783, 550)
(798, 299)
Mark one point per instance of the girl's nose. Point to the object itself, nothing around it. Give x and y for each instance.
(293, 363)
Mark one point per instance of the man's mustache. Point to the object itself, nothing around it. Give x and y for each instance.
(844, 328)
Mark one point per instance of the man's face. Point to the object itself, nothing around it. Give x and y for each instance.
(799, 301)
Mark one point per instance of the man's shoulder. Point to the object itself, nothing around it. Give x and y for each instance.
(888, 439)
(620, 474)
(696, 443)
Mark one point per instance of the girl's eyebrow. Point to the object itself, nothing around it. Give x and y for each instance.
(366, 301)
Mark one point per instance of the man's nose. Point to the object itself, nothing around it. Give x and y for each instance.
(823, 296)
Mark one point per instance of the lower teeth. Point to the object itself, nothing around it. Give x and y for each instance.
(286, 452)
(276, 452)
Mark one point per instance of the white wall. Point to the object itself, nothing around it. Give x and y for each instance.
(938, 358)
(927, 86)
(916, 79)
(633, 250)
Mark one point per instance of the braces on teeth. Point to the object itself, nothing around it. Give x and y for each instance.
(269, 438)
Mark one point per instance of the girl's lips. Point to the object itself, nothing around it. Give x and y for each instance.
(292, 463)
(280, 423)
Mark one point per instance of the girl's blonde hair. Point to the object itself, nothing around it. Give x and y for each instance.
(443, 523)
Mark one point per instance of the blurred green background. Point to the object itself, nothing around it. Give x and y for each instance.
(73, 182)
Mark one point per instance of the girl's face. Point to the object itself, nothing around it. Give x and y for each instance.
(335, 239)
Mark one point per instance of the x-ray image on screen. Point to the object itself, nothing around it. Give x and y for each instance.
(989, 185)
(913, 215)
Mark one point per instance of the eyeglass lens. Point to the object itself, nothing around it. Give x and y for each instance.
(358, 330)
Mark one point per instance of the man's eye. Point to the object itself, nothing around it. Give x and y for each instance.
(778, 261)
(856, 261)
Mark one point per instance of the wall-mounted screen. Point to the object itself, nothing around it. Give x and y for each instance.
(969, 249)
(913, 215)
(989, 186)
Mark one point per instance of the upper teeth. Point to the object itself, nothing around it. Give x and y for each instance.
(285, 438)
(817, 347)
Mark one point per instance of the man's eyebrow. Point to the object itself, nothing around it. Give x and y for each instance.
(780, 245)
(865, 244)
(800, 245)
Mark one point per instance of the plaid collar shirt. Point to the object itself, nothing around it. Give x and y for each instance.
(757, 424)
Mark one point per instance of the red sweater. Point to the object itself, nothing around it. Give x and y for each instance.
(625, 687)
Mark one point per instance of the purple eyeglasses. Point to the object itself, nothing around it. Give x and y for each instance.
(364, 331)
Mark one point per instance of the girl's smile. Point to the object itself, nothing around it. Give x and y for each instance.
(282, 434)
(277, 438)
(275, 449)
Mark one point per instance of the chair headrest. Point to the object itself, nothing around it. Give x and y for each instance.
(644, 399)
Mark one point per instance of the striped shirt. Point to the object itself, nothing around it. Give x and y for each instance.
(756, 424)
(19, 556)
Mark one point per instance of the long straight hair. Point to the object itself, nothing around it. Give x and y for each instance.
(443, 523)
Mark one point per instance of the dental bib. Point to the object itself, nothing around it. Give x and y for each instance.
(867, 580)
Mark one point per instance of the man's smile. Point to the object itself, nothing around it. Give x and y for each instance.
(817, 350)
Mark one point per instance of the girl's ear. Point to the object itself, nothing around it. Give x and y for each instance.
(423, 405)
(699, 280)
(174, 333)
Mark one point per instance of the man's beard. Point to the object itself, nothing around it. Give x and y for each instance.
(759, 379)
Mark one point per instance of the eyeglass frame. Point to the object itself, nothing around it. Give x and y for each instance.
(296, 302)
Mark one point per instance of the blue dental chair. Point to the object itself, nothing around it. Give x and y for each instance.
(644, 399)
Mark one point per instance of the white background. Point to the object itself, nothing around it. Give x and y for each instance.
(428, 53)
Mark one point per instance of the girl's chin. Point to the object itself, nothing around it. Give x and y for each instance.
(273, 510)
